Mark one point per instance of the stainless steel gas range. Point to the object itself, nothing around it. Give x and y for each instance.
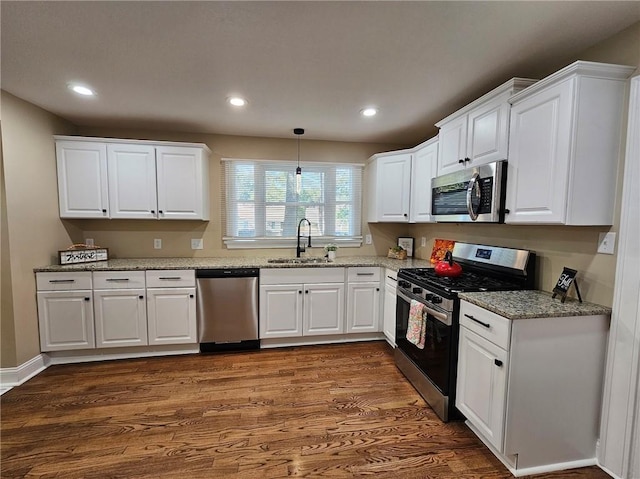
(430, 363)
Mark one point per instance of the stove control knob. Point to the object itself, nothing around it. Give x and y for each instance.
(436, 299)
(429, 297)
(416, 290)
(404, 284)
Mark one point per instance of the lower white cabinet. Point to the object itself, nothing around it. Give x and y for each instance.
(363, 299)
(389, 308)
(120, 309)
(531, 388)
(65, 311)
(301, 302)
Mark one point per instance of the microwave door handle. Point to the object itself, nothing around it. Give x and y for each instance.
(470, 187)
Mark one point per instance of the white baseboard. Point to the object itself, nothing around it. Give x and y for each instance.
(313, 340)
(612, 474)
(11, 377)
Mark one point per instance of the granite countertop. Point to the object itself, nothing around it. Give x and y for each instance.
(239, 262)
(532, 304)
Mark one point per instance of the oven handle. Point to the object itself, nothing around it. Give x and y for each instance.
(439, 315)
(472, 183)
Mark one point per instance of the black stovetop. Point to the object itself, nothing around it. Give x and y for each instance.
(469, 281)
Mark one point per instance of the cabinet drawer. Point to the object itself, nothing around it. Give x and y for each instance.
(174, 278)
(301, 275)
(118, 279)
(491, 326)
(63, 281)
(363, 273)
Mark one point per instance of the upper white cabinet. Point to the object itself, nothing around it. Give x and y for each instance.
(399, 184)
(423, 169)
(478, 133)
(82, 179)
(107, 178)
(564, 147)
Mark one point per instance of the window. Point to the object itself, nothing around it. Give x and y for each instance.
(263, 209)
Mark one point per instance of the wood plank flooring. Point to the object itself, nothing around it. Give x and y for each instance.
(336, 411)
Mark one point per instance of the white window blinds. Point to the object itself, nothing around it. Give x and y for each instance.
(263, 209)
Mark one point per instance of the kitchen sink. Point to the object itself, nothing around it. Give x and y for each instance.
(298, 260)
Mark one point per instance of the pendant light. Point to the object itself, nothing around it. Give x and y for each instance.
(298, 132)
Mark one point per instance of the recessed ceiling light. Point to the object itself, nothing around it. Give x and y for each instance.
(82, 90)
(237, 101)
(369, 112)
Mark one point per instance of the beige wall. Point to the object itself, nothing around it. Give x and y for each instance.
(33, 230)
(130, 239)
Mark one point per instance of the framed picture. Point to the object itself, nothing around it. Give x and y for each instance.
(407, 244)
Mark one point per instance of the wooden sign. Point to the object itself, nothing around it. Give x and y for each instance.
(83, 254)
(567, 278)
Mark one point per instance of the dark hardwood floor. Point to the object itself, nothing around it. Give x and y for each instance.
(317, 411)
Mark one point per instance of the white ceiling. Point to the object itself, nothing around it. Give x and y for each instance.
(315, 65)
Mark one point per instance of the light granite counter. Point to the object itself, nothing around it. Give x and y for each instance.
(239, 262)
(532, 304)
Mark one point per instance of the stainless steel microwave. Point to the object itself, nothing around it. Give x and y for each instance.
(471, 195)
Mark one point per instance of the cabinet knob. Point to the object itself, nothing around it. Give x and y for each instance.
(299, 292)
(153, 212)
(405, 215)
(467, 160)
(191, 295)
(104, 211)
(497, 362)
(377, 289)
(461, 161)
(507, 211)
(87, 299)
(306, 291)
(141, 297)
(160, 211)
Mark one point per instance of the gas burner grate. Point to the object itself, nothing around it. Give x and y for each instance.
(468, 281)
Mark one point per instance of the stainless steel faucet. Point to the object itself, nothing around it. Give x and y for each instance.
(301, 249)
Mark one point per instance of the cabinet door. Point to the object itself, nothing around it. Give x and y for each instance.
(423, 169)
(389, 313)
(393, 186)
(82, 179)
(487, 131)
(182, 183)
(120, 317)
(453, 144)
(132, 181)
(323, 309)
(66, 320)
(482, 385)
(538, 168)
(363, 307)
(171, 314)
(281, 311)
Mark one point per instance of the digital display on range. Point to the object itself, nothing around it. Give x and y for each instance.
(483, 253)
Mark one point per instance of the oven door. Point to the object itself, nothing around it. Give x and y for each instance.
(435, 359)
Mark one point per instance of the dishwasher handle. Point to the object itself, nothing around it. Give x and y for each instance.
(228, 273)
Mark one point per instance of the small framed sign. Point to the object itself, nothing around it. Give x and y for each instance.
(83, 254)
(566, 279)
(407, 244)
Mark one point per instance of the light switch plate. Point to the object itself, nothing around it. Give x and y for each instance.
(157, 243)
(196, 243)
(606, 243)
(423, 241)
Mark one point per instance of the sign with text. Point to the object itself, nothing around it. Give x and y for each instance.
(567, 278)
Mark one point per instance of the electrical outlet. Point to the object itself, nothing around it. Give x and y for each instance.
(157, 243)
(367, 239)
(196, 243)
(606, 243)
(89, 242)
(423, 241)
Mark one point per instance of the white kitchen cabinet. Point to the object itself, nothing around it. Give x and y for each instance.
(478, 133)
(323, 309)
(363, 300)
(82, 179)
(171, 307)
(138, 179)
(120, 311)
(531, 388)
(300, 302)
(132, 180)
(423, 169)
(564, 147)
(389, 307)
(389, 180)
(65, 311)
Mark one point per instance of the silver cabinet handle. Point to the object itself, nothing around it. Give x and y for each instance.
(170, 278)
(364, 274)
(118, 280)
(62, 281)
(472, 184)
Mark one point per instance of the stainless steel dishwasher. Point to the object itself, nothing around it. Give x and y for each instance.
(227, 309)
